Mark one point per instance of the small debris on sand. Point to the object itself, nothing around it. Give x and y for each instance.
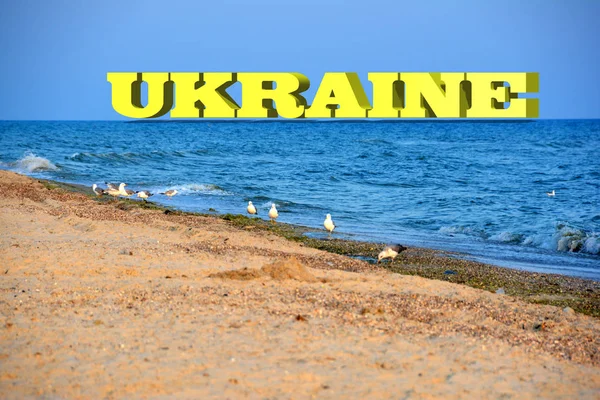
(282, 269)
(244, 274)
(289, 268)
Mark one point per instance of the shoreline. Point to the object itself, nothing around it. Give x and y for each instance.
(120, 299)
(539, 258)
(581, 294)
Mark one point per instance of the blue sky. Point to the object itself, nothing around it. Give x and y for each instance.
(55, 54)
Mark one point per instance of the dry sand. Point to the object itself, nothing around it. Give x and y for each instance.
(101, 302)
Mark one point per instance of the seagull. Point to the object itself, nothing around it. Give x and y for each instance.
(97, 190)
(273, 214)
(251, 209)
(390, 252)
(111, 190)
(144, 194)
(170, 193)
(328, 224)
(111, 186)
(125, 192)
(551, 194)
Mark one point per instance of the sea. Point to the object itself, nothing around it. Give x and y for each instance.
(472, 186)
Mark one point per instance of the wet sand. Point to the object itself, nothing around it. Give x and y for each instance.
(102, 300)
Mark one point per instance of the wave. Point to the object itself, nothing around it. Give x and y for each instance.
(32, 163)
(569, 238)
(463, 230)
(110, 156)
(375, 141)
(265, 202)
(185, 189)
(130, 156)
(203, 188)
(507, 237)
(566, 238)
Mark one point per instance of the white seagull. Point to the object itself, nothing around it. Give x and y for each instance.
(328, 224)
(251, 209)
(113, 192)
(390, 252)
(125, 192)
(111, 186)
(144, 194)
(273, 214)
(98, 190)
(551, 194)
(170, 193)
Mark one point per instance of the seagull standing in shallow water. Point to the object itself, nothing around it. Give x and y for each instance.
(551, 194)
(97, 190)
(328, 224)
(390, 252)
(170, 193)
(273, 214)
(251, 209)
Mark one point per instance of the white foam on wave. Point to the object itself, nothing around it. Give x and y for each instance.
(573, 239)
(507, 237)
(592, 245)
(566, 238)
(206, 188)
(196, 188)
(462, 230)
(268, 204)
(540, 241)
(32, 163)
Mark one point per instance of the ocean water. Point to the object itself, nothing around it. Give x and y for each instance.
(475, 187)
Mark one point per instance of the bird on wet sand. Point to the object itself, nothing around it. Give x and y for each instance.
(113, 192)
(273, 214)
(170, 193)
(125, 192)
(98, 190)
(252, 209)
(390, 252)
(551, 194)
(144, 194)
(328, 224)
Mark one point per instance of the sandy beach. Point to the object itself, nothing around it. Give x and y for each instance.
(99, 300)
